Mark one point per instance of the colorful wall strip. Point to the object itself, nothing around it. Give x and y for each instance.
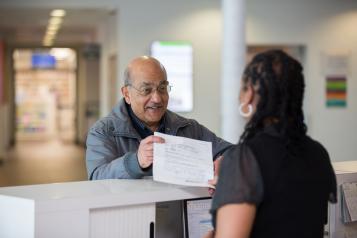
(336, 91)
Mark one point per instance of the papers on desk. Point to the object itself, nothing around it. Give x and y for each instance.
(349, 202)
(182, 161)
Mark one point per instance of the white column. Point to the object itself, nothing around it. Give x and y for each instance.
(233, 62)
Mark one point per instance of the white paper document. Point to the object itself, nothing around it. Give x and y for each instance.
(182, 161)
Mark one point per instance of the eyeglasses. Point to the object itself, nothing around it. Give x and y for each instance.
(163, 88)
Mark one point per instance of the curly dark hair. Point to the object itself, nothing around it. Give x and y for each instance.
(279, 82)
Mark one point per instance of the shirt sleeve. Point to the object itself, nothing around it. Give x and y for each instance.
(240, 179)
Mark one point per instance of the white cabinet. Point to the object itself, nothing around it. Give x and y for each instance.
(102, 208)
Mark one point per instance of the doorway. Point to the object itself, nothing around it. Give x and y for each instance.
(45, 94)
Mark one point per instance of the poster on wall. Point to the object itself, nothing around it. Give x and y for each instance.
(336, 91)
(177, 59)
(335, 70)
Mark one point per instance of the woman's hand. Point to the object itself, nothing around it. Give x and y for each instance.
(210, 234)
(213, 182)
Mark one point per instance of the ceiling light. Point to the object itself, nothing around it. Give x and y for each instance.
(55, 21)
(48, 40)
(48, 36)
(51, 32)
(61, 53)
(53, 27)
(47, 43)
(58, 13)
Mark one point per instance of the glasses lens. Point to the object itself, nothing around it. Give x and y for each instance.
(146, 91)
(162, 88)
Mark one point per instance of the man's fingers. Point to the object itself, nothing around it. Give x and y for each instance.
(146, 150)
(154, 139)
(148, 154)
(146, 162)
(149, 148)
(149, 157)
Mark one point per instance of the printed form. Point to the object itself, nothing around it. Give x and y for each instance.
(183, 161)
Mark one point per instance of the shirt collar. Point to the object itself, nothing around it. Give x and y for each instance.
(140, 126)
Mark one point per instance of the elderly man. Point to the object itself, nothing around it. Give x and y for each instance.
(121, 144)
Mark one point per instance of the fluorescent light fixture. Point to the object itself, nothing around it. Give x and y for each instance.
(55, 21)
(58, 13)
(51, 32)
(49, 37)
(53, 27)
(47, 43)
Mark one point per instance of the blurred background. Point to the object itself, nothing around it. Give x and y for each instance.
(61, 66)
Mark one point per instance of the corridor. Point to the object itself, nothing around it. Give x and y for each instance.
(42, 162)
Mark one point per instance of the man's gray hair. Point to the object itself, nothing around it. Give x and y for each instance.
(127, 80)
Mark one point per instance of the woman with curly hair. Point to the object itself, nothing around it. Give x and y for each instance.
(277, 181)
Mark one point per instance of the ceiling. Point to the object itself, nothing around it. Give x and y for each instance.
(28, 26)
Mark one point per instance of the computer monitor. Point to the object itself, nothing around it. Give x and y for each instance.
(197, 219)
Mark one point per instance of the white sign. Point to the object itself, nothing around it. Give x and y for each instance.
(177, 60)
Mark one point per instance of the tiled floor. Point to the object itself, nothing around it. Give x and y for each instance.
(42, 162)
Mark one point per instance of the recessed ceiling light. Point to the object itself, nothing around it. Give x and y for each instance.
(58, 13)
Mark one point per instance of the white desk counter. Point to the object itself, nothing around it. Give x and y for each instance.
(102, 208)
(346, 172)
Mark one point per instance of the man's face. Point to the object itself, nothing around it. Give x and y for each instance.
(147, 94)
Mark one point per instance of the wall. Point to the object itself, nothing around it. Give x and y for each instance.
(322, 26)
(5, 133)
(108, 38)
(198, 22)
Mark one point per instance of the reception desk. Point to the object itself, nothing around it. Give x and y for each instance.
(346, 172)
(102, 208)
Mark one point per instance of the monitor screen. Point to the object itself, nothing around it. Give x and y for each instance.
(43, 61)
(197, 218)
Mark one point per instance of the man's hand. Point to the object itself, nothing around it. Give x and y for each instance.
(146, 150)
(213, 182)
